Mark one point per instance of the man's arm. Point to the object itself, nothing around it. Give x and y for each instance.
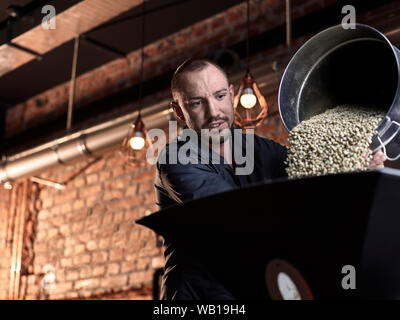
(182, 183)
(276, 155)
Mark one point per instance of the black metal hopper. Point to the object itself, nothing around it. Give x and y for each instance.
(317, 225)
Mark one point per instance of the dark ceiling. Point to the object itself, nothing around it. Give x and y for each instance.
(163, 17)
(31, 14)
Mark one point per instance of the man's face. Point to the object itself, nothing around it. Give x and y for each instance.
(206, 100)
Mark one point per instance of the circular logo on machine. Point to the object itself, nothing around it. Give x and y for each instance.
(284, 282)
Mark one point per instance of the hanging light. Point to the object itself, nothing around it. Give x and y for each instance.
(250, 106)
(135, 145)
(138, 140)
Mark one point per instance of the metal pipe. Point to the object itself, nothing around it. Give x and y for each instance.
(85, 143)
(56, 185)
(72, 83)
(14, 243)
(10, 216)
(20, 239)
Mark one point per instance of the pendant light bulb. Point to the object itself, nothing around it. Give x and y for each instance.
(137, 142)
(248, 99)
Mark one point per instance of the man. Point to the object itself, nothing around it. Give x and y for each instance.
(203, 98)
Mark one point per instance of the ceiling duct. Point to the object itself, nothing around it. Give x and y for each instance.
(85, 143)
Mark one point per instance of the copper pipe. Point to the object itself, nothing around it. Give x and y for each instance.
(9, 217)
(25, 195)
(56, 185)
(14, 244)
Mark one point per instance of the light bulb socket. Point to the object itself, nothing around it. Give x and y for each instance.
(139, 125)
(248, 91)
(248, 81)
(138, 134)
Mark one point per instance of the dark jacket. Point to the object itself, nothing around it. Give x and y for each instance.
(185, 277)
(177, 183)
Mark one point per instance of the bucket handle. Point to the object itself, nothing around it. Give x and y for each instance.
(383, 145)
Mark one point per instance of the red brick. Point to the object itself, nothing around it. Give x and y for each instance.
(99, 257)
(131, 191)
(78, 204)
(81, 259)
(66, 262)
(65, 208)
(66, 196)
(145, 176)
(104, 243)
(140, 277)
(63, 287)
(128, 266)
(85, 272)
(78, 226)
(146, 187)
(78, 215)
(120, 183)
(93, 222)
(92, 178)
(99, 271)
(107, 219)
(104, 231)
(143, 263)
(47, 202)
(104, 175)
(96, 166)
(113, 268)
(51, 233)
(90, 191)
(126, 227)
(118, 216)
(87, 284)
(72, 275)
(92, 200)
(114, 282)
(131, 214)
(112, 194)
(116, 254)
(80, 248)
(79, 182)
(91, 245)
(118, 171)
(134, 235)
(217, 22)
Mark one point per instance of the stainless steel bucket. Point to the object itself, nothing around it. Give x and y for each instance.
(345, 66)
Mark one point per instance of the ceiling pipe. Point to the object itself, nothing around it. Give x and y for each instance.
(88, 143)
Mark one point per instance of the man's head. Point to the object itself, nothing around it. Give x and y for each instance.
(202, 95)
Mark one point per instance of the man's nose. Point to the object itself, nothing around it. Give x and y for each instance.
(213, 109)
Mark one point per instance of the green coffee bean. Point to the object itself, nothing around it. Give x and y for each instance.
(335, 141)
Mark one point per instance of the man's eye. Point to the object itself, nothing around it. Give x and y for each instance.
(221, 96)
(195, 103)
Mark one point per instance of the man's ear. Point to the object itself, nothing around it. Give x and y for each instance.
(232, 92)
(177, 109)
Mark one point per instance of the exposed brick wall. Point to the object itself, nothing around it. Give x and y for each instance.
(86, 231)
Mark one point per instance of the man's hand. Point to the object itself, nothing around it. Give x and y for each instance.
(377, 161)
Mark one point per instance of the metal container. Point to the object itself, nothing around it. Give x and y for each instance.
(345, 66)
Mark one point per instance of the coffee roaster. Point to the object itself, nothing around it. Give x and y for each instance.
(326, 237)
